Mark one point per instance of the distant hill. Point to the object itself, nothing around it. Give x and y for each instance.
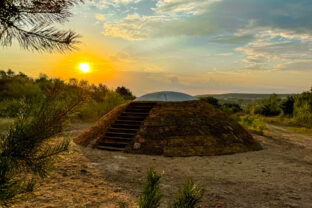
(241, 98)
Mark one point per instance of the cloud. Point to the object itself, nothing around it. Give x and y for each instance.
(277, 49)
(225, 54)
(100, 17)
(214, 17)
(103, 4)
(127, 1)
(183, 6)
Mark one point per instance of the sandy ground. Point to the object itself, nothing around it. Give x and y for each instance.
(278, 176)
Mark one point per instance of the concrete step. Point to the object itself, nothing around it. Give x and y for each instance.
(137, 110)
(125, 126)
(128, 122)
(114, 144)
(123, 130)
(138, 114)
(131, 118)
(116, 139)
(110, 148)
(123, 135)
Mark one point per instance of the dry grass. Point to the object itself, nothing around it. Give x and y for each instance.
(76, 183)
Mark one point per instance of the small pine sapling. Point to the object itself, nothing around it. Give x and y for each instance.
(189, 196)
(151, 195)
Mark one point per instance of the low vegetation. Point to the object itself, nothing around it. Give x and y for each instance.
(290, 110)
(188, 196)
(18, 87)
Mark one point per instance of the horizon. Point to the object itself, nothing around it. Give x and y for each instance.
(196, 47)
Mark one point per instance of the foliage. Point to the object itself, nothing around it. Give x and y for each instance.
(151, 195)
(16, 87)
(26, 152)
(211, 100)
(252, 123)
(287, 106)
(29, 22)
(188, 196)
(231, 108)
(303, 109)
(125, 93)
(268, 106)
(92, 109)
(10, 108)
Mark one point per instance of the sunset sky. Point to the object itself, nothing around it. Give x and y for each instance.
(192, 46)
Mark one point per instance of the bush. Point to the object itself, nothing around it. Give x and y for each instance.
(93, 110)
(287, 106)
(252, 123)
(26, 152)
(125, 93)
(9, 108)
(303, 109)
(231, 108)
(211, 100)
(268, 106)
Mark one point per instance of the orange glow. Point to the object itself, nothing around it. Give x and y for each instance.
(87, 66)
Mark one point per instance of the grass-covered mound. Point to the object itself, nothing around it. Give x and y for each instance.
(180, 129)
(191, 128)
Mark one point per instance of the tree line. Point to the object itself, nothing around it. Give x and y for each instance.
(17, 88)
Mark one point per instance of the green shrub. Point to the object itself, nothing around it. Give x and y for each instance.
(92, 110)
(125, 93)
(211, 100)
(151, 195)
(303, 109)
(252, 123)
(287, 106)
(188, 196)
(10, 108)
(231, 108)
(268, 106)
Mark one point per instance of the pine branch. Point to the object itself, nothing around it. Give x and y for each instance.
(39, 15)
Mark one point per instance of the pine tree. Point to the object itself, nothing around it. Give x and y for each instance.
(30, 23)
(26, 152)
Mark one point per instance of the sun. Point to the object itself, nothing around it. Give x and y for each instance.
(84, 67)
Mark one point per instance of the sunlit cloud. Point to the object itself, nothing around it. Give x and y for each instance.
(100, 17)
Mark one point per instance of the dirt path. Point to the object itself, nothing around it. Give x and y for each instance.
(278, 176)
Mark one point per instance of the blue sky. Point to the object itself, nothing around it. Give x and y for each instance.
(194, 46)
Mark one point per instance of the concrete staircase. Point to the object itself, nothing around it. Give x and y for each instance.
(125, 128)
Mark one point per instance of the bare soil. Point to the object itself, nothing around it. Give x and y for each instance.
(280, 175)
